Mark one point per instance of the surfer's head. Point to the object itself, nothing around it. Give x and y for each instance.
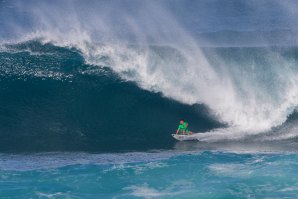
(181, 121)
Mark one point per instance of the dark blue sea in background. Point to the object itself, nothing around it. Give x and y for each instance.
(91, 91)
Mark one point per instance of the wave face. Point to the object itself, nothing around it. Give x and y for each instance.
(124, 72)
(52, 100)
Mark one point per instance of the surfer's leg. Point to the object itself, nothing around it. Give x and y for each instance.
(188, 132)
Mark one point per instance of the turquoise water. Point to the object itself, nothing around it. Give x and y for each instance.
(167, 174)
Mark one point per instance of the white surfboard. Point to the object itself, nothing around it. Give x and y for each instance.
(204, 137)
(185, 137)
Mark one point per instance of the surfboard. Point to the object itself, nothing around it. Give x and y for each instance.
(184, 137)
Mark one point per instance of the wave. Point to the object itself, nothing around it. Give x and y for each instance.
(52, 100)
(66, 98)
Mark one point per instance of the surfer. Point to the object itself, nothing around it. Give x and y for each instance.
(183, 128)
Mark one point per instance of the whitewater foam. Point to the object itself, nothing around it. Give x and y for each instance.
(147, 192)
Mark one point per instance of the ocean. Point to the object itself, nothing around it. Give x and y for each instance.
(91, 91)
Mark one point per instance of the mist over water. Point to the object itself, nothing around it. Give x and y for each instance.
(183, 50)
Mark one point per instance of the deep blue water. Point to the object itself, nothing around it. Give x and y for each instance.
(90, 92)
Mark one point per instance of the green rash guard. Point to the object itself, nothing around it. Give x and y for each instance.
(183, 127)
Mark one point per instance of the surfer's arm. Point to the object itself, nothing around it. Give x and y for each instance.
(178, 129)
